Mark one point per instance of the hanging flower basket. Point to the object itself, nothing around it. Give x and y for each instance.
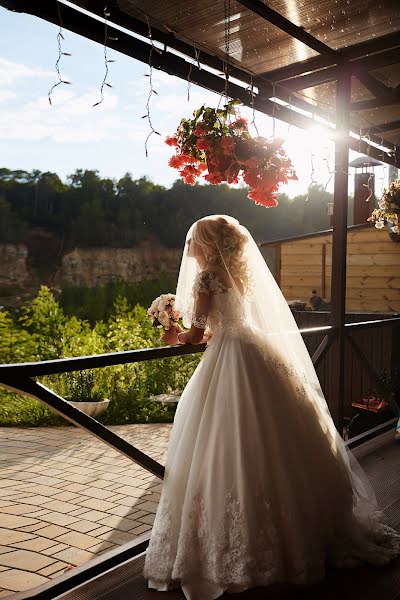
(216, 145)
(388, 210)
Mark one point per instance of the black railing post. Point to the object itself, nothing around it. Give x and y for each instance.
(339, 245)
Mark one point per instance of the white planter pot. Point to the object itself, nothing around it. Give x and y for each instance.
(93, 409)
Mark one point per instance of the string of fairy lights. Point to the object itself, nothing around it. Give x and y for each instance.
(224, 94)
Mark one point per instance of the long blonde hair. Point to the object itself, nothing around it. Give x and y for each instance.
(223, 245)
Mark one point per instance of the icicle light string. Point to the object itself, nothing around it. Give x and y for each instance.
(106, 59)
(153, 48)
(370, 175)
(312, 173)
(253, 120)
(61, 53)
(192, 63)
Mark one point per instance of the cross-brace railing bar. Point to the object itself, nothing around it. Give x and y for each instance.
(381, 386)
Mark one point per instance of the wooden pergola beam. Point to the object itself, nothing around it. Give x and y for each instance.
(368, 51)
(357, 67)
(376, 87)
(377, 129)
(299, 33)
(393, 98)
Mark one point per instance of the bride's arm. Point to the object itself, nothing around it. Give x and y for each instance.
(196, 334)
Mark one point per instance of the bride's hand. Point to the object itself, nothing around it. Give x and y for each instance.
(170, 337)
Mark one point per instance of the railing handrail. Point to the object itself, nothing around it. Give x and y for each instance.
(95, 361)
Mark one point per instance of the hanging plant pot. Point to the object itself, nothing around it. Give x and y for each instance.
(216, 145)
(388, 211)
(395, 237)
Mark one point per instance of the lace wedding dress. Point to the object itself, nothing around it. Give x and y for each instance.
(255, 491)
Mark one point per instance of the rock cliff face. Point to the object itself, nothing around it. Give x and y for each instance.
(84, 266)
(97, 266)
(13, 266)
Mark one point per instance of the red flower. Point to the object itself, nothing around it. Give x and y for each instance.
(176, 161)
(202, 144)
(171, 140)
(267, 199)
(228, 145)
(240, 123)
(200, 130)
(188, 159)
(213, 178)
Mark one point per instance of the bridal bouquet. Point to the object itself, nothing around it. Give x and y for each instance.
(388, 207)
(162, 311)
(216, 144)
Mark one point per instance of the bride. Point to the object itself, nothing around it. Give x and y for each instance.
(259, 487)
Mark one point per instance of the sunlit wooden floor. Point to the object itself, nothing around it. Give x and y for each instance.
(381, 459)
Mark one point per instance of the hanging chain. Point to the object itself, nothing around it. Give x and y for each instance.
(227, 34)
(60, 55)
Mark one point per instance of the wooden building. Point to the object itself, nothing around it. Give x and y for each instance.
(304, 263)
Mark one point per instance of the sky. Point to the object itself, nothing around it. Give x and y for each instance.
(72, 134)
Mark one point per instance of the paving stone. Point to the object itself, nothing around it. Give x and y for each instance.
(100, 530)
(25, 559)
(78, 540)
(54, 549)
(148, 506)
(102, 483)
(59, 506)
(118, 523)
(59, 519)
(93, 515)
(5, 549)
(140, 529)
(37, 544)
(128, 490)
(121, 511)
(66, 496)
(102, 505)
(18, 509)
(55, 567)
(74, 556)
(4, 593)
(8, 536)
(78, 511)
(19, 581)
(47, 480)
(53, 531)
(31, 528)
(83, 526)
(147, 519)
(117, 537)
(101, 547)
(100, 494)
(35, 500)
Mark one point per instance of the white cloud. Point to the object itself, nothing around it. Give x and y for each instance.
(6, 95)
(70, 119)
(10, 72)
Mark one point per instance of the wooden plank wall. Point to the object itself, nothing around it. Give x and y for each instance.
(373, 269)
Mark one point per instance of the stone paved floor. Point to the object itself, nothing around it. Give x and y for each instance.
(66, 497)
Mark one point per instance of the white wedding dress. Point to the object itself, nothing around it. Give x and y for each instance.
(255, 491)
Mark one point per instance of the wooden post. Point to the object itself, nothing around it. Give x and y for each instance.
(323, 268)
(339, 245)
